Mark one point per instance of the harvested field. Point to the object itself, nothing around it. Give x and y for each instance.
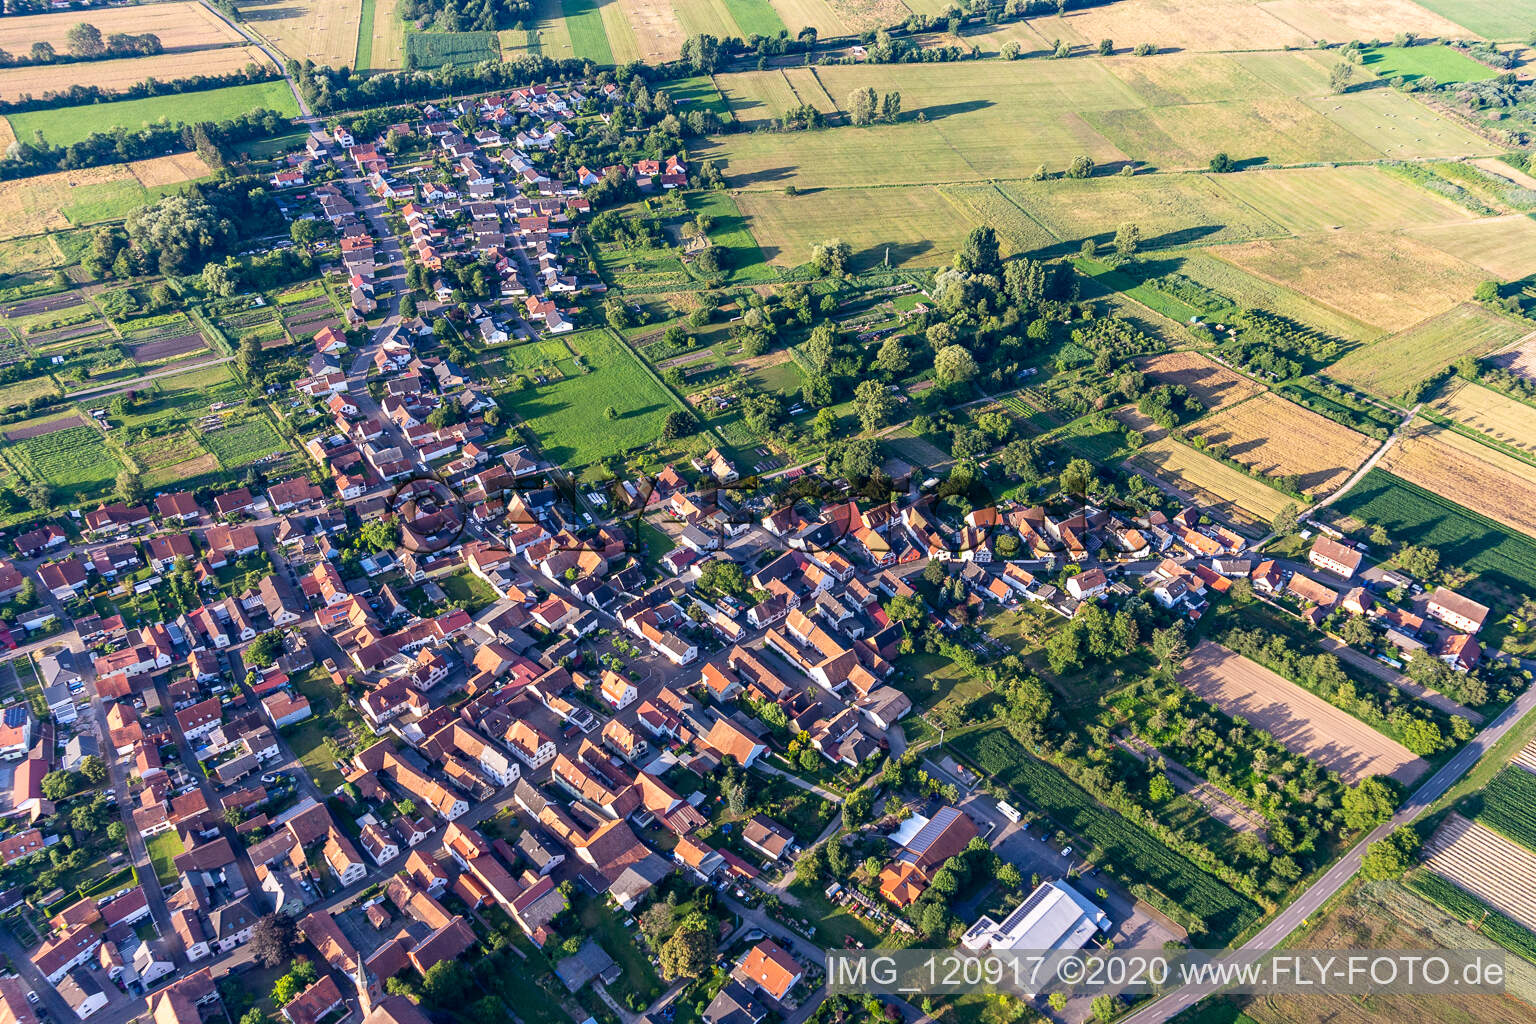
(990, 205)
(1503, 246)
(183, 24)
(1176, 79)
(1169, 209)
(1254, 292)
(1338, 21)
(1387, 280)
(658, 33)
(1306, 199)
(1181, 24)
(40, 429)
(914, 226)
(1278, 129)
(32, 206)
(324, 31)
(1292, 72)
(1212, 483)
(170, 170)
(1395, 365)
(1398, 126)
(758, 97)
(117, 75)
(1278, 438)
(1213, 384)
(1472, 475)
(167, 348)
(1478, 860)
(1521, 358)
(7, 134)
(1504, 419)
(1300, 721)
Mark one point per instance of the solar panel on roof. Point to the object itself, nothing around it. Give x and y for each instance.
(15, 715)
(1022, 910)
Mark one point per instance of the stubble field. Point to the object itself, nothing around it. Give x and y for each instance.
(1214, 385)
(1308, 199)
(1503, 246)
(1212, 483)
(117, 75)
(1339, 21)
(1399, 363)
(1277, 438)
(51, 202)
(1386, 280)
(1300, 721)
(1461, 470)
(1181, 24)
(324, 31)
(1504, 419)
(179, 24)
(1172, 209)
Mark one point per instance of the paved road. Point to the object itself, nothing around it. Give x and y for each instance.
(1326, 887)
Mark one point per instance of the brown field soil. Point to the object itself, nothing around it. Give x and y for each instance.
(183, 24)
(1504, 419)
(1213, 484)
(1387, 280)
(1279, 438)
(1503, 246)
(40, 429)
(1497, 871)
(7, 134)
(116, 75)
(165, 348)
(1339, 21)
(324, 31)
(1181, 24)
(1300, 721)
(1213, 384)
(657, 31)
(1461, 470)
(1395, 365)
(169, 170)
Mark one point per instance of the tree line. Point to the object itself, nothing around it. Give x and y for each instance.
(29, 157)
(85, 42)
(80, 95)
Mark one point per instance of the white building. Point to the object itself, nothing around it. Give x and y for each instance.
(1053, 917)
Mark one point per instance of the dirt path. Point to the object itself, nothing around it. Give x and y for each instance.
(1224, 808)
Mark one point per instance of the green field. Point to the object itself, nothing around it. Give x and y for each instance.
(72, 124)
(1101, 276)
(1397, 364)
(589, 40)
(1492, 19)
(1413, 515)
(1170, 209)
(76, 461)
(755, 17)
(238, 446)
(1123, 848)
(567, 416)
(1508, 806)
(1468, 908)
(365, 36)
(434, 49)
(744, 261)
(1441, 63)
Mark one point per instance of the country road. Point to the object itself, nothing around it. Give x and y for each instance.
(1325, 888)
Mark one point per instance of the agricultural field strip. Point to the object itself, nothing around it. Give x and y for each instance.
(1276, 437)
(1504, 419)
(1464, 471)
(1400, 362)
(1477, 859)
(1215, 385)
(1209, 481)
(1298, 719)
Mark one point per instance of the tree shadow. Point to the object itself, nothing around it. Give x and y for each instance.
(900, 252)
(937, 111)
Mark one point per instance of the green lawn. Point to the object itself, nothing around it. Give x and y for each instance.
(1441, 63)
(469, 588)
(68, 125)
(1112, 280)
(163, 849)
(308, 742)
(364, 58)
(744, 262)
(602, 923)
(755, 17)
(833, 924)
(568, 416)
(589, 40)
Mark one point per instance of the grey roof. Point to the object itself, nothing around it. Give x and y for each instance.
(588, 962)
